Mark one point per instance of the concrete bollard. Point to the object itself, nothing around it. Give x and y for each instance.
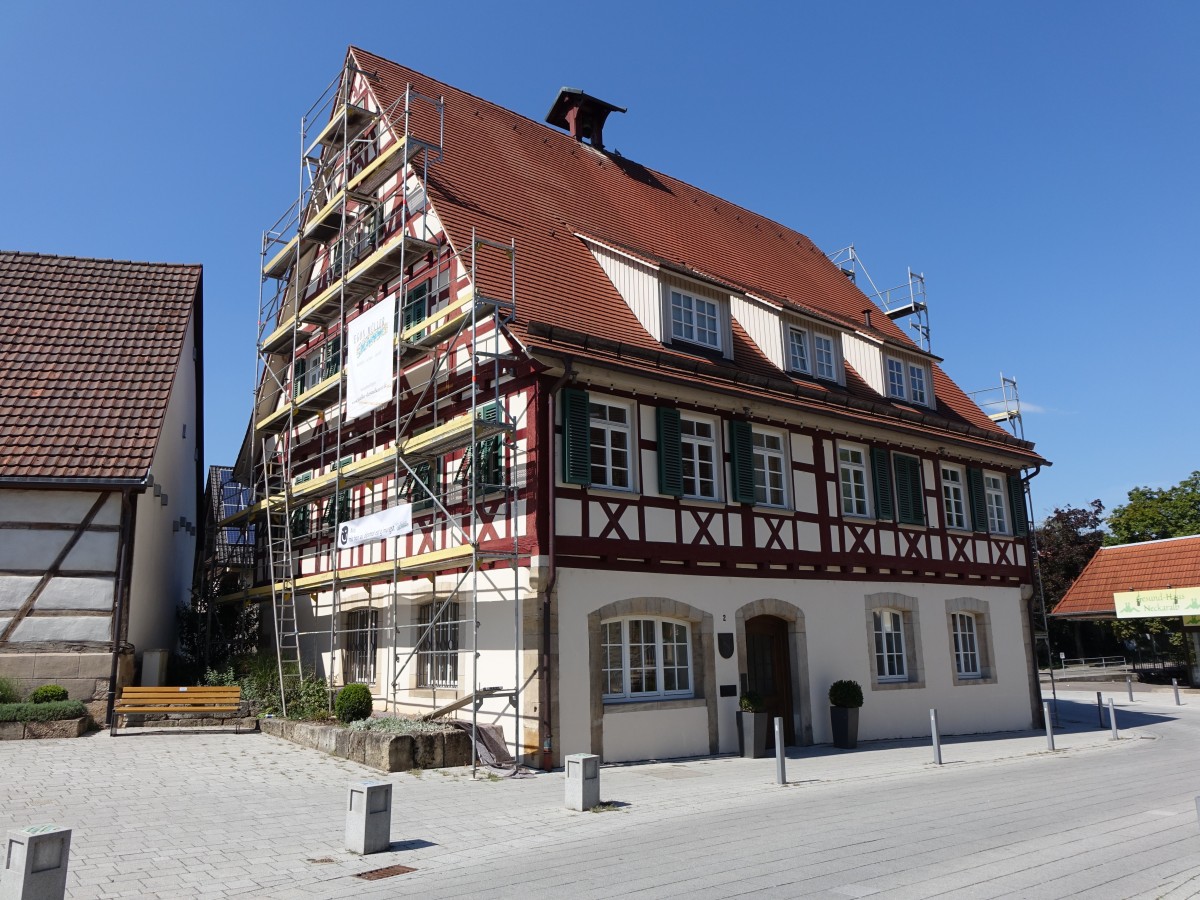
(1112, 719)
(583, 781)
(937, 738)
(369, 817)
(1129, 686)
(1049, 726)
(1175, 688)
(780, 759)
(35, 864)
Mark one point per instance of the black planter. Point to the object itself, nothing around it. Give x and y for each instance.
(844, 720)
(752, 734)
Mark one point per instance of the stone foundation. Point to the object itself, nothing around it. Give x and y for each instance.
(84, 673)
(376, 750)
(245, 719)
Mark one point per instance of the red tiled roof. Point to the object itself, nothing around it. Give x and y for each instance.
(1148, 566)
(505, 176)
(89, 349)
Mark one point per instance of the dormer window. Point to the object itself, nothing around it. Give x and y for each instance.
(695, 320)
(798, 350)
(826, 361)
(811, 353)
(907, 381)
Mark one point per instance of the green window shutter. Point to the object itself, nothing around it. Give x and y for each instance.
(741, 461)
(420, 489)
(978, 499)
(333, 356)
(298, 368)
(577, 463)
(881, 479)
(489, 474)
(416, 306)
(910, 499)
(299, 522)
(1016, 497)
(670, 453)
(343, 506)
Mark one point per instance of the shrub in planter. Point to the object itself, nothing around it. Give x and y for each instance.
(845, 698)
(752, 725)
(353, 703)
(51, 711)
(8, 692)
(48, 693)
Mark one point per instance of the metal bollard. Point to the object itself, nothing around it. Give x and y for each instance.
(937, 738)
(369, 817)
(1049, 726)
(582, 772)
(1100, 708)
(1175, 688)
(35, 863)
(1112, 719)
(780, 759)
(1129, 686)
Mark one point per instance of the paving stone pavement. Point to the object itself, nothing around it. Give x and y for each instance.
(228, 815)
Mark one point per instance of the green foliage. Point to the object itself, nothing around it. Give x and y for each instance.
(1155, 513)
(752, 702)
(846, 693)
(8, 691)
(398, 725)
(257, 674)
(213, 641)
(48, 693)
(353, 703)
(51, 711)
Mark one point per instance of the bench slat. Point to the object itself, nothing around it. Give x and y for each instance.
(134, 710)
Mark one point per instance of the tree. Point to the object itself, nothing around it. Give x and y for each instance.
(1066, 541)
(1155, 513)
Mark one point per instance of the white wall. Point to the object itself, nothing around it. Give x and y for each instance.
(838, 646)
(163, 557)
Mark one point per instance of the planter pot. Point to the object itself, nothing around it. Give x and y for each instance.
(752, 734)
(845, 726)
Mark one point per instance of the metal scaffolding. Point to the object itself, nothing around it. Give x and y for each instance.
(360, 233)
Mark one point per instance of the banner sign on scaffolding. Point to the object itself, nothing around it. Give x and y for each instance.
(1166, 602)
(387, 523)
(370, 356)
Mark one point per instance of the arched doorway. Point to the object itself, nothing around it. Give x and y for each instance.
(769, 671)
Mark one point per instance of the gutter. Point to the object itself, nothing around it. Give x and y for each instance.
(121, 589)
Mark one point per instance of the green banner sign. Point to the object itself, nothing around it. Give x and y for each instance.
(1153, 604)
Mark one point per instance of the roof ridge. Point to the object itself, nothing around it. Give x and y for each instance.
(1182, 537)
(101, 259)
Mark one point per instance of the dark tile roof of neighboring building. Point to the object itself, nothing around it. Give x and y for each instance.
(1148, 566)
(507, 176)
(89, 349)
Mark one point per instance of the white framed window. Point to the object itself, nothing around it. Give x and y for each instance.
(698, 440)
(610, 443)
(695, 319)
(953, 497)
(769, 464)
(966, 645)
(993, 489)
(916, 384)
(361, 646)
(825, 356)
(889, 645)
(895, 376)
(646, 658)
(438, 651)
(852, 474)
(798, 350)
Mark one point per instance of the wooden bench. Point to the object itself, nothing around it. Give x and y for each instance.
(203, 700)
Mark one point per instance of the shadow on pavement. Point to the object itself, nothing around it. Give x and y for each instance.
(1074, 717)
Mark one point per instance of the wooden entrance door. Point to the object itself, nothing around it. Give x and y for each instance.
(769, 672)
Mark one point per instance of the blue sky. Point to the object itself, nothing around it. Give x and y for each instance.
(1036, 161)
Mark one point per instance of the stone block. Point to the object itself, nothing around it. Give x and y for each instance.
(247, 723)
(11, 731)
(369, 817)
(341, 741)
(375, 750)
(272, 726)
(430, 750)
(65, 728)
(457, 749)
(401, 755)
(95, 665)
(358, 747)
(35, 864)
(17, 665)
(53, 666)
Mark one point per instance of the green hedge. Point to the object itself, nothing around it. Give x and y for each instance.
(41, 712)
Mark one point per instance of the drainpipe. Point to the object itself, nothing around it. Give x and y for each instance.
(1035, 567)
(548, 592)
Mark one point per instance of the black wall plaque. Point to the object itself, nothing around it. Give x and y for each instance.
(725, 644)
(729, 690)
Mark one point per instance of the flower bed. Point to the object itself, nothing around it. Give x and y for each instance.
(28, 721)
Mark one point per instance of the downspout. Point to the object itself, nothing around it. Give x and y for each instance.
(121, 589)
(548, 592)
(1035, 684)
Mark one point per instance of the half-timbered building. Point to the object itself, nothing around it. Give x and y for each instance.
(655, 450)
